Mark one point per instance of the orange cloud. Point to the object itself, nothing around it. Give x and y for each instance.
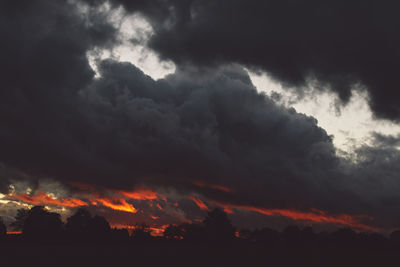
(141, 194)
(41, 198)
(138, 194)
(214, 186)
(199, 203)
(116, 204)
(315, 215)
(115, 199)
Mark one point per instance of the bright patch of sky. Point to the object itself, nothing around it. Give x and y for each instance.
(133, 33)
(350, 125)
(2, 201)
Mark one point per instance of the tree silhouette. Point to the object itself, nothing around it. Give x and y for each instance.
(245, 234)
(308, 237)
(218, 226)
(42, 224)
(265, 236)
(174, 232)
(38, 223)
(291, 235)
(82, 225)
(395, 238)
(194, 232)
(3, 229)
(141, 232)
(344, 237)
(119, 235)
(77, 226)
(20, 218)
(99, 228)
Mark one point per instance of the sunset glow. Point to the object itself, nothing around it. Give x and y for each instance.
(199, 203)
(117, 204)
(315, 216)
(141, 194)
(213, 186)
(41, 198)
(14, 232)
(121, 204)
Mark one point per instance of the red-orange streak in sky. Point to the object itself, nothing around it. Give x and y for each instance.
(228, 210)
(112, 202)
(41, 198)
(316, 216)
(141, 194)
(199, 203)
(116, 204)
(14, 232)
(214, 186)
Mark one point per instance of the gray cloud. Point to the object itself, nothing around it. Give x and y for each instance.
(375, 177)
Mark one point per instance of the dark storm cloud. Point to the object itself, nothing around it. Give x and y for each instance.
(375, 177)
(338, 43)
(123, 129)
(43, 66)
(7, 175)
(211, 126)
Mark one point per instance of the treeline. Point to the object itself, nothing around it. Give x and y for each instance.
(38, 224)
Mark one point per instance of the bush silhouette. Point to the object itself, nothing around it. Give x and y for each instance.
(192, 232)
(291, 235)
(174, 232)
(395, 238)
(3, 229)
(141, 232)
(20, 218)
(265, 236)
(119, 235)
(99, 228)
(215, 227)
(218, 226)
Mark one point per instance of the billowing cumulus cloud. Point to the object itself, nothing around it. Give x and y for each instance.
(200, 137)
(338, 44)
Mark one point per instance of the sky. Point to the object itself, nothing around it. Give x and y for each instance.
(157, 111)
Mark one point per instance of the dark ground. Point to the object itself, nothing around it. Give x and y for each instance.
(188, 254)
